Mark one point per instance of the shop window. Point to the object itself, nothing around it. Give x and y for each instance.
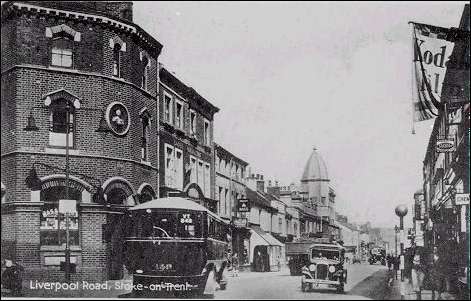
(59, 125)
(53, 224)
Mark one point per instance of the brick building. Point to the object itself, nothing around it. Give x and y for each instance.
(186, 141)
(230, 188)
(89, 64)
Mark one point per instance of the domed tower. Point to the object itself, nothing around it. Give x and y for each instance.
(315, 181)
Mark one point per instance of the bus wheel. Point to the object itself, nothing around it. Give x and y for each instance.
(211, 284)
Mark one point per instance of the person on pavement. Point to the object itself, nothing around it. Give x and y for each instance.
(417, 273)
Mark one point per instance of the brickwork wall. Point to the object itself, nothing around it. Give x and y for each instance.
(95, 157)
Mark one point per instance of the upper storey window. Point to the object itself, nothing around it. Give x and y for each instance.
(145, 70)
(62, 50)
(118, 47)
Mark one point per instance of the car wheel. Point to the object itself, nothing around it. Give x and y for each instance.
(341, 288)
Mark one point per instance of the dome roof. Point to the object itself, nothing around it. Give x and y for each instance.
(315, 168)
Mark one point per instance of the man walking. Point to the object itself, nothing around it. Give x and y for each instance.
(417, 272)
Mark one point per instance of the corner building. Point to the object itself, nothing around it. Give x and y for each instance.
(91, 58)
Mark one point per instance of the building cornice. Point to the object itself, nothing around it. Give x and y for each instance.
(97, 18)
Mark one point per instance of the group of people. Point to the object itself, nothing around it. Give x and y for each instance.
(420, 268)
(233, 263)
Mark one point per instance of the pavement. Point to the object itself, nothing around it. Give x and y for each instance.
(409, 294)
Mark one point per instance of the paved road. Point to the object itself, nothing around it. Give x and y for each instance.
(364, 282)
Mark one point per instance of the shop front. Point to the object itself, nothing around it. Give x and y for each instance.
(266, 252)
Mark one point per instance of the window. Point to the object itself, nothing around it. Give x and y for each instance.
(169, 166)
(117, 60)
(59, 125)
(168, 108)
(226, 192)
(323, 200)
(192, 122)
(207, 133)
(194, 170)
(62, 57)
(145, 138)
(53, 224)
(178, 114)
(178, 169)
(221, 207)
(201, 175)
(145, 73)
(207, 180)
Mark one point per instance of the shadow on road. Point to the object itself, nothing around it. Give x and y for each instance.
(374, 287)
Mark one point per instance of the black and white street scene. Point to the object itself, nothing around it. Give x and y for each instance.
(235, 150)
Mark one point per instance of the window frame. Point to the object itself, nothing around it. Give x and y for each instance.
(57, 45)
(168, 96)
(178, 170)
(207, 132)
(181, 123)
(145, 136)
(117, 62)
(193, 122)
(54, 107)
(169, 170)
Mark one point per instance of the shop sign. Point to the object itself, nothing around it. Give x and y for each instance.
(243, 205)
(445, 146)
(462, 199)
(239, 222)
(68, 206)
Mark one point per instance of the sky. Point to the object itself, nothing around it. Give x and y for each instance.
(290, 76)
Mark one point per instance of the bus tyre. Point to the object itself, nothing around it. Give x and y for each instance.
(341, 288)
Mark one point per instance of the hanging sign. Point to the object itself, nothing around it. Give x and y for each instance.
(462, 199)
(243, 205)
(445, 146)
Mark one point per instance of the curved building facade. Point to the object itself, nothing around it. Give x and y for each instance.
(70, 69)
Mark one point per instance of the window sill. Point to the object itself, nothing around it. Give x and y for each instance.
(146, 163)
(59, 249)
(60, 151)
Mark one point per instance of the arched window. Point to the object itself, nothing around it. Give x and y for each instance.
(117, 60)
(146, 194)
(118, 192)
(53, 224)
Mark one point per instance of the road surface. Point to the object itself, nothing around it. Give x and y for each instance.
(364, 282)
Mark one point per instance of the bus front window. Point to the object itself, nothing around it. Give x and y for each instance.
(170, 225)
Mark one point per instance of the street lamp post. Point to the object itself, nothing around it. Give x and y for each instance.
(31, 126)
(401, 211)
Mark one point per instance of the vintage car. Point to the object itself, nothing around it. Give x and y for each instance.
(325, 267)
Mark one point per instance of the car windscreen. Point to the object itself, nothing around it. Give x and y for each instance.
(168, 224)
(322, 253)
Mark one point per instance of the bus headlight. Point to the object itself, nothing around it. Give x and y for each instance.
(312, 267)
(332, 269)
(139, 271)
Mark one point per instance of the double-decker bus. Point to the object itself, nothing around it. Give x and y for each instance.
(176, 246)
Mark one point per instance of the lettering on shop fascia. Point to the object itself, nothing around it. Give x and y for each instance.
(78, 155)
(73, 71)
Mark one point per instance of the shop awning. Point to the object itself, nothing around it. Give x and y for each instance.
(266, 238)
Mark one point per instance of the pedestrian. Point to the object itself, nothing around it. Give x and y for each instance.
(235, 265)
(417, 272)
(437, 274)
(278, 263)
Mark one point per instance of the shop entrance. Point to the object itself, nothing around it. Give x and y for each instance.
(261, 259)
